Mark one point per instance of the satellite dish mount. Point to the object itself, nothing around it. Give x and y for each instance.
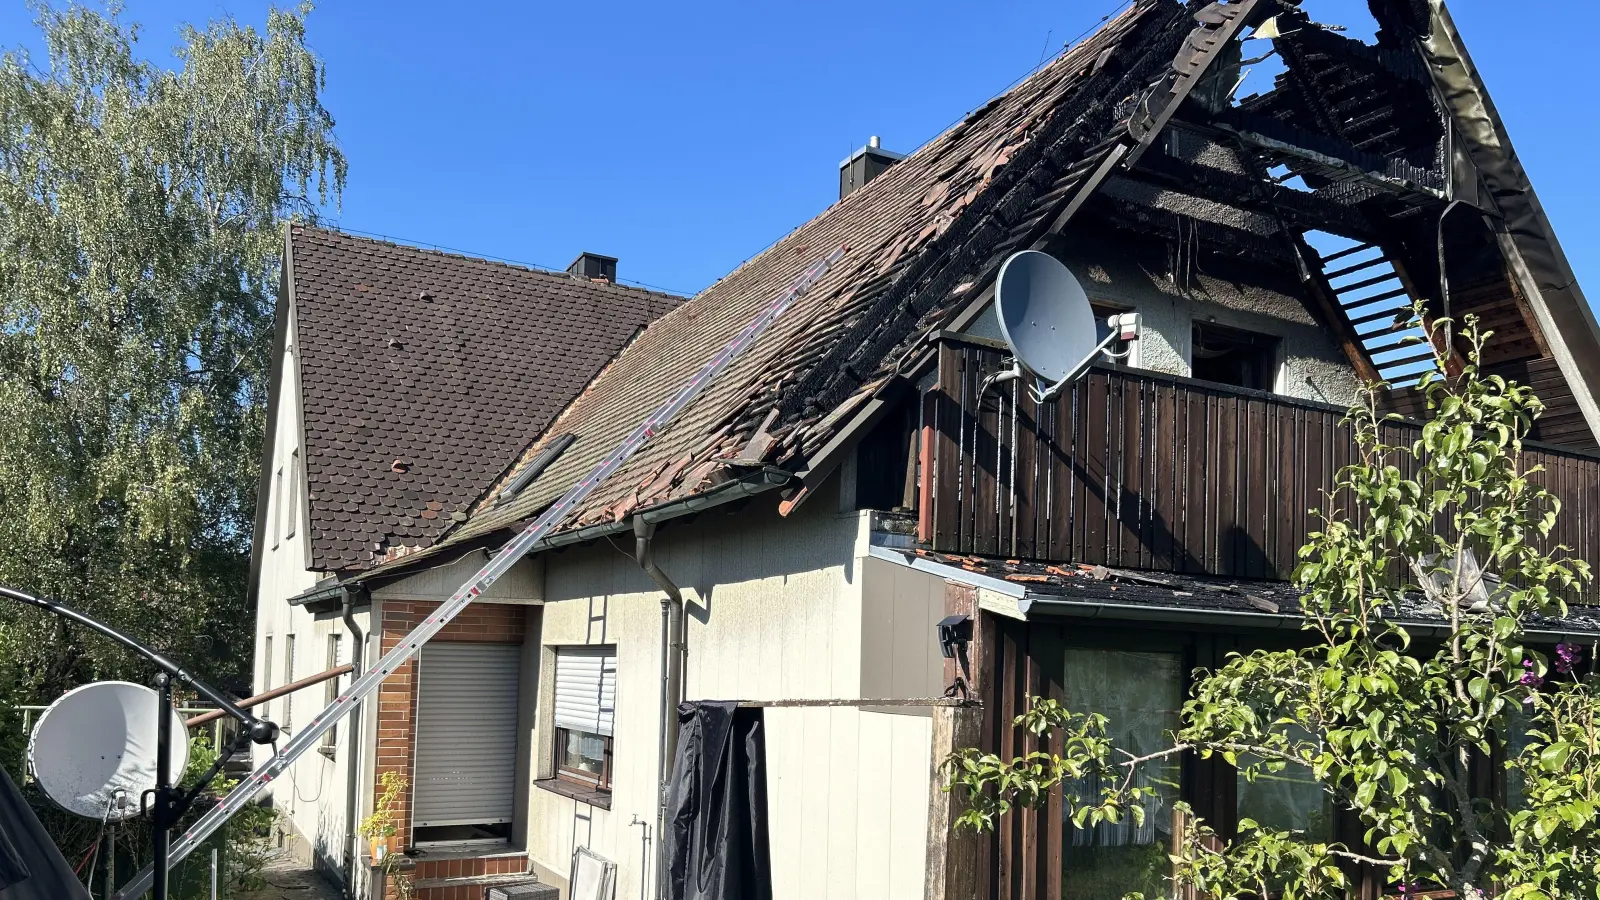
(1047, 322)
(165, 802)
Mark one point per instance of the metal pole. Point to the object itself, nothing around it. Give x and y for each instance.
(163, 783)
(111, 860)
(213, 873)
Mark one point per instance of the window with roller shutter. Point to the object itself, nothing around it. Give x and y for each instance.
(466, 746)
(586, 694)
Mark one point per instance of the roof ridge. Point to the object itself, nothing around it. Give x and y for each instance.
(469, 256)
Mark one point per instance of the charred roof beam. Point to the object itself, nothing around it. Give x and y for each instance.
(1299, 209)
(1329, 157)
(1147, 220)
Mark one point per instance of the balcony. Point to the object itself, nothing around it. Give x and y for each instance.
(1139, 470)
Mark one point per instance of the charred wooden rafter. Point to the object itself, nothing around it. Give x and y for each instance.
(1214, 237)
(1298, 209)
(1327, 156)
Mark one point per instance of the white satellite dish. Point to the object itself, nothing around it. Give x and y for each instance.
(1046, 320)
(94, 749)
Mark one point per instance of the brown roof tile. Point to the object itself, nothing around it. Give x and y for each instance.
(424, 373)
(891, 225)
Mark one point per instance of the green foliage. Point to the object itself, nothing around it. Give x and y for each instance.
(383, 825)
(242, 842)
(141, 214)
(1453, 528)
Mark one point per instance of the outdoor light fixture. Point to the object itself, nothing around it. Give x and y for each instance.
(954, 632)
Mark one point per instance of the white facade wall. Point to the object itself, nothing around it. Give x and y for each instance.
(1137, 275)
(777, 609)
(312, 793)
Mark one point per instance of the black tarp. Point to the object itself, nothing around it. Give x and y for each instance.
(716, 840)
(31, 868)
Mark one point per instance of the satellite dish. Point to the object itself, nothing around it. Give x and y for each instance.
(94, 750)
(1044, 314)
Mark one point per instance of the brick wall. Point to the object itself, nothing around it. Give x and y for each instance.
(494, 623)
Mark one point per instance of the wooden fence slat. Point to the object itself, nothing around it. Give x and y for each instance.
(1166, 465)
(1025, 484)
(1129, 486)
(1096, 443)
(1195, 497)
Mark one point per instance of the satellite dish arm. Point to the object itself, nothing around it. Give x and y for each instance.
(1124, 327)
(259, 730)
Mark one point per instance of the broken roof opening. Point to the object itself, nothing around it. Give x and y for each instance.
(535, 467)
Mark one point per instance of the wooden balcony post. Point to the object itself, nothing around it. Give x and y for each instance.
(953, 857)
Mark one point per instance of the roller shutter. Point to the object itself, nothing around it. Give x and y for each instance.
(466, 734)
(586, 689)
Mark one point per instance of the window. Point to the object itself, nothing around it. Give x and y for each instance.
(1140, 694)
(464, 781)
(266, 676)
(1102, 312)
(586, 690)
(1290, 800)
(291, 509)
(277, 497)
(330, 693)
(288, 676)
(1232, 356)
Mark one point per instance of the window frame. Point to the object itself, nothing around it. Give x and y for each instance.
(291, 509)
(330, 693)
(287, 725)
(1103, 310)
(579, 777)
(1271, 346)
(275, 508)
(266, 673)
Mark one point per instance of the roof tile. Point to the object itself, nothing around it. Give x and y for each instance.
(404, 352)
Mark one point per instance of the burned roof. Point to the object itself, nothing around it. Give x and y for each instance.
(1136, 128)
(423, 374)
(779, 396)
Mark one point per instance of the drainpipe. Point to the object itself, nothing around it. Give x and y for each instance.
(672, 653)
(353, 779)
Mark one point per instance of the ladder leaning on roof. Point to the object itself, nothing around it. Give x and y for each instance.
(514, 550)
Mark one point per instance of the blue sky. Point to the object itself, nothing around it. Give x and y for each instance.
(685, 137)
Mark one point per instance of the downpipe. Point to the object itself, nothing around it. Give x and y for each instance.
(673, 649)
(353, 776)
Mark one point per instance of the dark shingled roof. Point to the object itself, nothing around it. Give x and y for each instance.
(424, 373)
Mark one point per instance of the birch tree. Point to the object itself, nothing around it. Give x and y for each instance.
(141, 215)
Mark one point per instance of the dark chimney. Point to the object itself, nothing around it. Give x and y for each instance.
(594, 267)
(864, 165)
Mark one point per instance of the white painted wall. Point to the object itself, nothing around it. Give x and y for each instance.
(778, 609)
(1136, 274)
(312, 793)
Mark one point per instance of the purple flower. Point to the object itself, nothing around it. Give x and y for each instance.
(1567, 656)
(1532, 680)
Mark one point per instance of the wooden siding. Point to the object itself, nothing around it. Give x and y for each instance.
(1141, 470)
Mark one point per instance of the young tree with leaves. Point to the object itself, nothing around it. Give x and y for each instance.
(1394, 728)
(141, 214)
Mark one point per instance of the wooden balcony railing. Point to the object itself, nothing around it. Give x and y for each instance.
(1141, 470)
